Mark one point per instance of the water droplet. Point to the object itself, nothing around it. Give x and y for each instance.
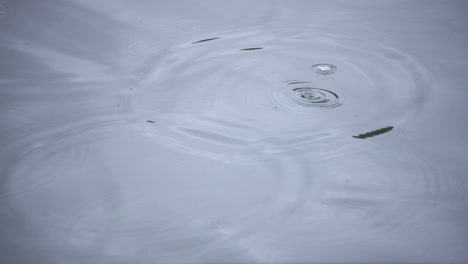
(308, 96)
(324, 68)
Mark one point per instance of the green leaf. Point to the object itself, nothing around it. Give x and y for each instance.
(374, 133)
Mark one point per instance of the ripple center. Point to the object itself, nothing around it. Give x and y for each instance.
(324, 68)
(309, 96)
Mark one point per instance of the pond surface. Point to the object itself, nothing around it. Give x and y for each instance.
(233, 132)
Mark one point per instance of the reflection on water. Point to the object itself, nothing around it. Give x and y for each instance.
(151, 139)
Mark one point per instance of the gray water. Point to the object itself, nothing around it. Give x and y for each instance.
(233, 132)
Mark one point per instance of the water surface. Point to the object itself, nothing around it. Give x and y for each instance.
(216, 132)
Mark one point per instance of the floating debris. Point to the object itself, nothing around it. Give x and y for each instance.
(204, 40)
(251, 49)
(374, 133)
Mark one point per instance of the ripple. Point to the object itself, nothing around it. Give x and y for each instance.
(386, 202)
(303, 98)
(190, 83)
(33, 157)
(217, 139)
(237, 144)
(170, 209)
(130, 229)
(357, 199)
(308, 96)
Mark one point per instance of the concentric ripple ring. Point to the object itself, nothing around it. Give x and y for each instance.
(309, 96)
